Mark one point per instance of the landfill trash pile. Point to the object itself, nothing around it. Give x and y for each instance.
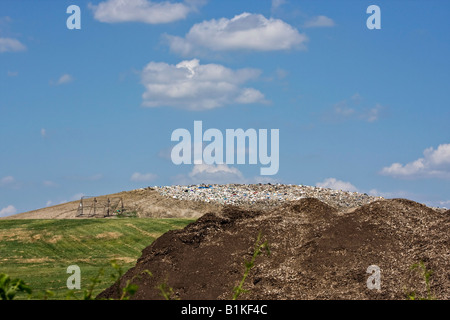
(264, 196)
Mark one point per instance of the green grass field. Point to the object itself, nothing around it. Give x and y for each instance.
(39, 251)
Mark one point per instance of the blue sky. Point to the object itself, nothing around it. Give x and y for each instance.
(91, 111)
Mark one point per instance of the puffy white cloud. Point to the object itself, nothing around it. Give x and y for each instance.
(11, 45)
(335, 184)
(211, 174)
(319, 21)
(434, 164)
(190, 85)
(246, 31)
(7, 211)
(143, 177)
(220, 170)
(151, 12)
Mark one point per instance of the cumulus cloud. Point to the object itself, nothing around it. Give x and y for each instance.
(434, 164)
(11, 45)
(211, 173)
(190, 85)
(8, 211)
(151, 12)
(319, 21)
(143, 177)
(335, 184)
(246, 31)
(218, 174)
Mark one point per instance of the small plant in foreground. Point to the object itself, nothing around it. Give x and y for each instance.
(130, 289)
(9, 288)
(258, 250)
(426, 274)
(166, 291)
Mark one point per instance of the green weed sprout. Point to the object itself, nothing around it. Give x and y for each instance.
(9, 288)
(258, 250)
(426, 274)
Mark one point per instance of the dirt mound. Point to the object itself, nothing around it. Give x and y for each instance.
(146, 202)
(316, 253)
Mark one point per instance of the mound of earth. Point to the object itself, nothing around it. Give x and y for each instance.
(316, 252)
(146, 202)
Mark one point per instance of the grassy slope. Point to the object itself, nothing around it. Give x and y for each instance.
(39, 251)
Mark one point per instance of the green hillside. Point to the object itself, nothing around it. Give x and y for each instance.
(39, 251)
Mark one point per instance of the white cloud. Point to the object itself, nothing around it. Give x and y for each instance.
(319, 21)
(43, 133)
(211, 174)
(12, 73)
(243, 32)
(444, 204)
(190, 85)
(218, 174)
(343, 109)
(353, 108)
(49, 203)
(332, 183)
(7, 211)
(151, 12)
(372, 114)
(394, 194)
(8, 180)
(434, 164)
(11, 45)
(64, 79)
(143, 177)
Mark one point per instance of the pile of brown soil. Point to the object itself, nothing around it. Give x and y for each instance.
(316, 253)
